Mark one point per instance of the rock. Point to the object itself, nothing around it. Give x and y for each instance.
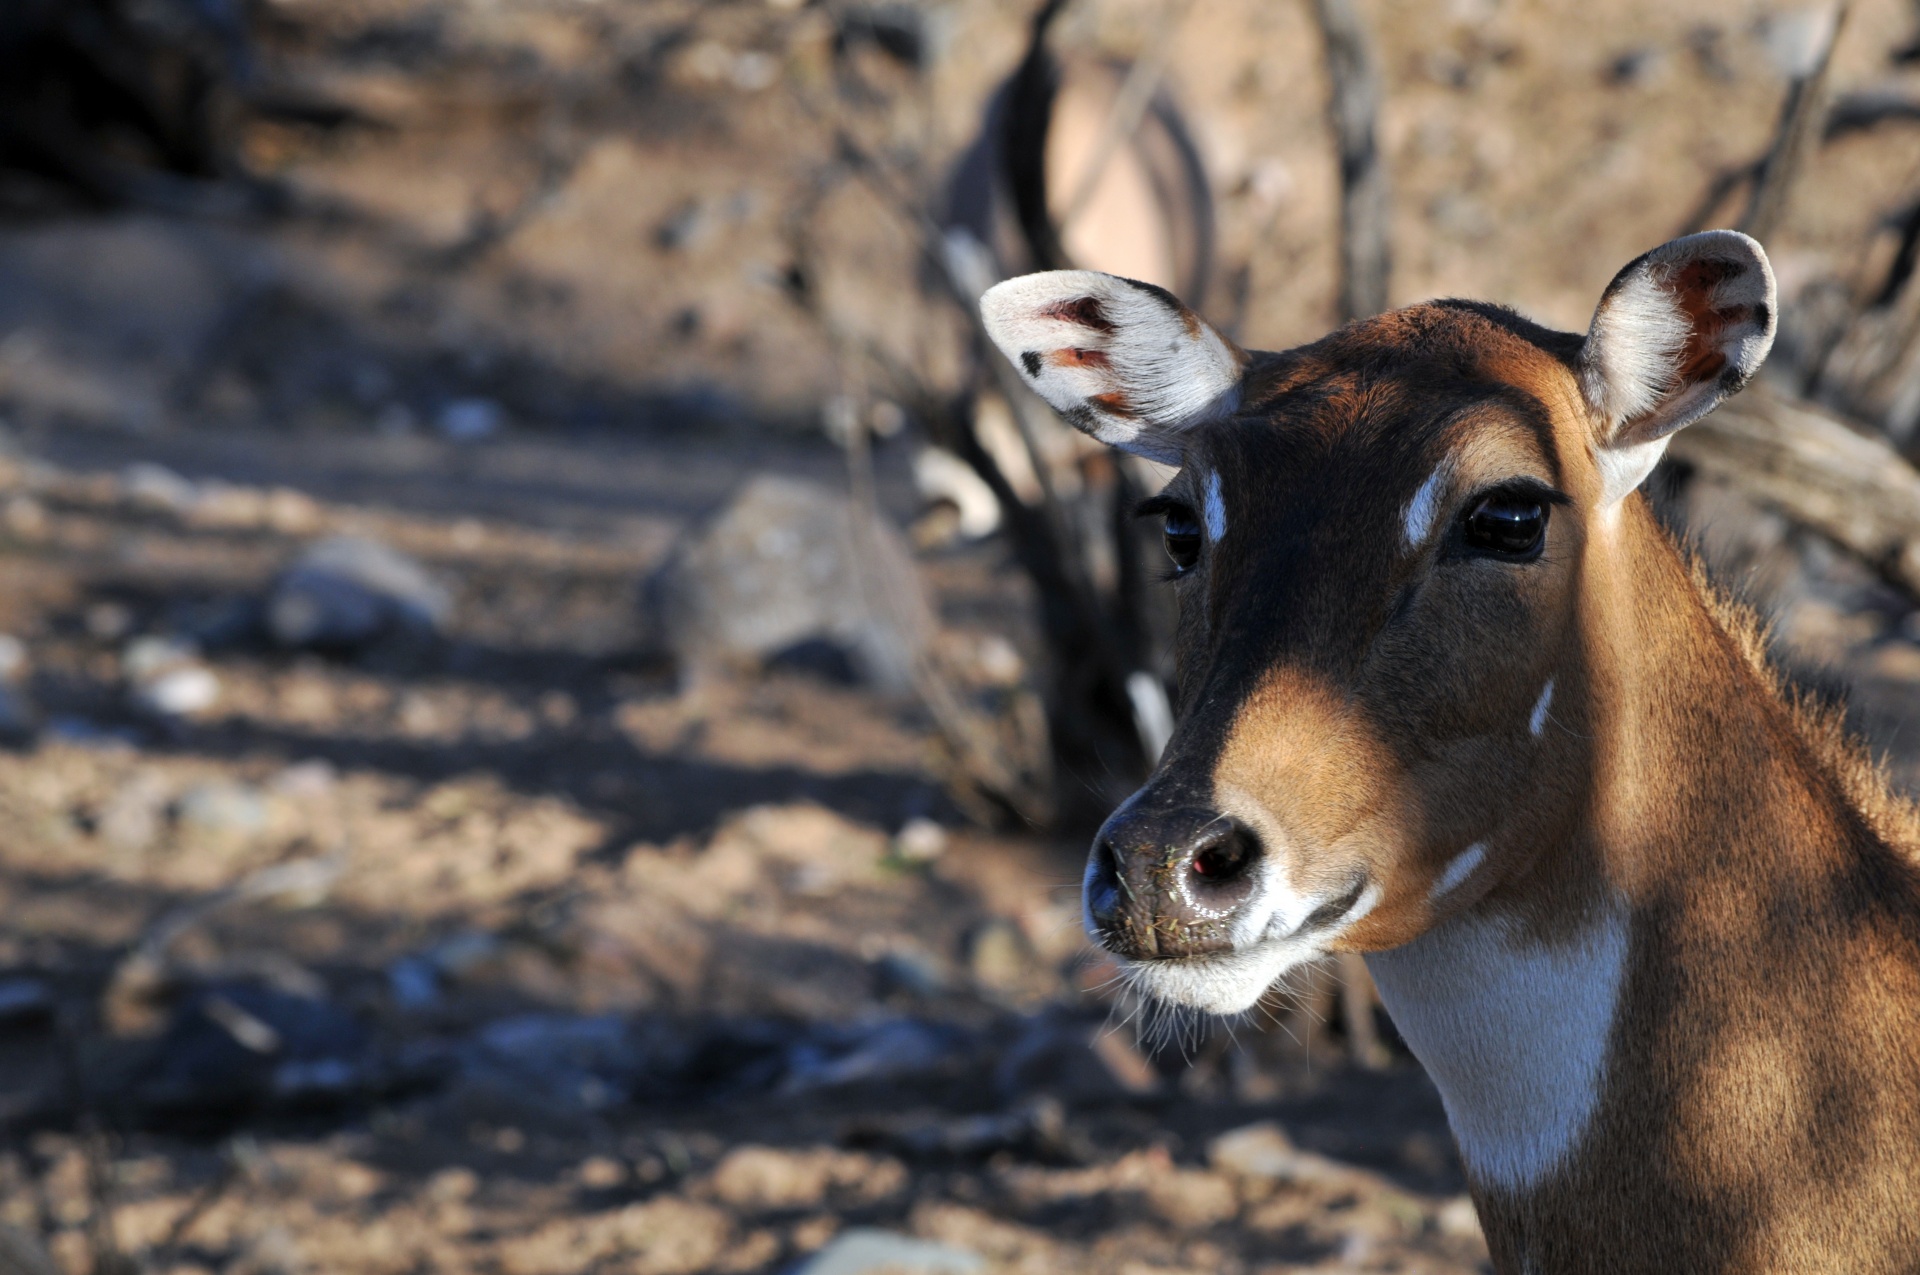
(866, 1251)
(24, 1002)
(133, 816)
(346, 591)
(22, 1254)
(1263, 1152)
(576, 1062)
(13, 658)
(1034, 1130)
(469, 420)
(1192, 1199)
(920, 841)
(913, 971)
(1458, 1218)
(166, 676)
(763, 1178)
(18, 721)
(1075, 1060)
(222, 811)
(232, 1047)
(889, 1050)
(181, 692)
(146, 485)
(784, 563)
(1000, 959)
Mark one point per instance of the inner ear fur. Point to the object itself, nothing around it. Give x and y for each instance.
(1676, 332)
(1121, 360)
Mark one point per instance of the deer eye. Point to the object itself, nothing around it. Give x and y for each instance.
(1182, 534)
(1508, 525)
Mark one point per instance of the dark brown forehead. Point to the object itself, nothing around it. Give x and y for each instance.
(1438, 341)
(1393, 388)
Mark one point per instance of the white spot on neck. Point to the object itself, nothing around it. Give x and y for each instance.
(1459, 869)
(1422, 508)
(1216, 509)
(1537, 720)
(1513, 1031)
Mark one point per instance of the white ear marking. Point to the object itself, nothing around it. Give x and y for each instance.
(1677, 331)
(1537, 720)
(1422, 508)
(1120, 360)
(1216, 509)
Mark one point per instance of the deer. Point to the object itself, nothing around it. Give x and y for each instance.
(1451, 696)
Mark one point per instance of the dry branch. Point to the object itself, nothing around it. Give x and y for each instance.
(1353, 106)
(1819, 472)
(1796, 136)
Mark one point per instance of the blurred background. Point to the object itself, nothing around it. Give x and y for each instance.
(552, 693)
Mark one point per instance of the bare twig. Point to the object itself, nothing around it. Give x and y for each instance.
(1794, 139)
(1366, 252)
(1129, 108)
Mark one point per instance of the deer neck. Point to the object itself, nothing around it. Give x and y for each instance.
(1695, 775)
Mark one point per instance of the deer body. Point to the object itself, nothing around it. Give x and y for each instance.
(1452, 698)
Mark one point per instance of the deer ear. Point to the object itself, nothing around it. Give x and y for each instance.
(1122, 361)
(1676, 332)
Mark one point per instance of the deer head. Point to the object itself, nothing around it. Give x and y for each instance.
(1383, 547)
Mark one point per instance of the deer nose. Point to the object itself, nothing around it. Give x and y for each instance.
(1164, 883)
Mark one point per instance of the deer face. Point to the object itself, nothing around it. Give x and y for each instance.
(1381, 544)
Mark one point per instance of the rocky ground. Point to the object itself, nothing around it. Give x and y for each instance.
(496, 949)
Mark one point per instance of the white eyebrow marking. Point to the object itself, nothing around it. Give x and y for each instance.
(1422, 508)
(1537, 722)
(1216, 509)
(1459, 869)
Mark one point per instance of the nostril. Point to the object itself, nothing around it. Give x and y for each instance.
(1103, 880)
(1223, 856)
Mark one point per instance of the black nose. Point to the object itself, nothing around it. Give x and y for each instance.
(1169, 882)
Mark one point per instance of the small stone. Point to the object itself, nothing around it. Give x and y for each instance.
(913, 971)
(148, 657)
(108, 621)
(601, 1173)
(146, 485)
(469, 420)
(13, 658)
(1264, 1152)
(1458, 1218)
(17, 718)
(1259, 1151)
(1192, 1199)
(181, 692)
(314, 777)
(132, 817)
(866, 1251)
(920, 841)
(999, 958)
(24, 1001)
(222, 809)
(349, 590)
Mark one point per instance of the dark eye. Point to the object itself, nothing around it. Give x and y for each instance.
(1183, 539)
(1509, 525)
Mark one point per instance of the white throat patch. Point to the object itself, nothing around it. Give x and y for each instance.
(1514, 1033)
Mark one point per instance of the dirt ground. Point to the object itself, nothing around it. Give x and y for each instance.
(510, 949)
